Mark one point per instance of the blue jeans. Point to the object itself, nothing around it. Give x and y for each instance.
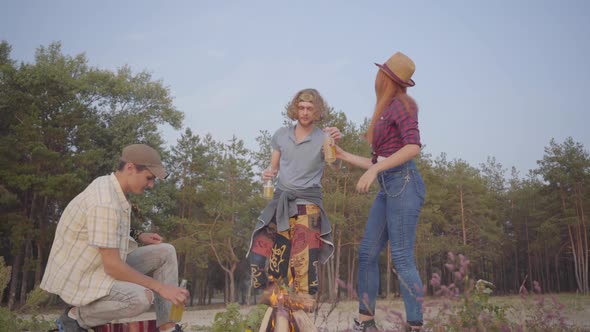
(393, 217)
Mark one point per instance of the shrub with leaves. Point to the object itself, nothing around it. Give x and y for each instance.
(8, 319)
(230, 320)
(35, 300)
(10, 322)
(542, 314)
(466, 305)
(255, 316)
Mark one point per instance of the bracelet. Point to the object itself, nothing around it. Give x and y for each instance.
(135, 233)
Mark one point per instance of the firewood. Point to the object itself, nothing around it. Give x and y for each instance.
(281, 320)
(266, 319)
(300, 301)
(303, 321)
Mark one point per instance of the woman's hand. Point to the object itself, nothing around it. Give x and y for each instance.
(340, 153)
(366, 180)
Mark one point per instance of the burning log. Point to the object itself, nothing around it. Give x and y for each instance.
(288, 313)
(266, 320)
(285, 320)
(303, 322)
(282, 321)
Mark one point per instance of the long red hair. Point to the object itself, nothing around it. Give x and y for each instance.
(386, 90)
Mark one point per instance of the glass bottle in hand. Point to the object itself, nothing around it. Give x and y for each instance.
(178, 309)
(329, 149)
(268, 188)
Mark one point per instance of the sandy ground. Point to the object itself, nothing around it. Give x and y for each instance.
(328, 318)
(340, 317)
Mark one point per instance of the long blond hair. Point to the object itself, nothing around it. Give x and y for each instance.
(310, 95)
(386, 90)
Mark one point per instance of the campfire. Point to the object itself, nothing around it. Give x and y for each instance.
(288, 312)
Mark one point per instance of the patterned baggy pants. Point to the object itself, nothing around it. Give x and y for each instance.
(291, 255)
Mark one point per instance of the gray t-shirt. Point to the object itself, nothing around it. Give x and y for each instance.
(302, 164)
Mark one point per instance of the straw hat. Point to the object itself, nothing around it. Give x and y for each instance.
(399, 68)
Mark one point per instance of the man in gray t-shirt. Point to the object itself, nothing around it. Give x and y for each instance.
(294, 232)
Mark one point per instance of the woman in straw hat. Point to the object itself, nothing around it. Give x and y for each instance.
(395, 141)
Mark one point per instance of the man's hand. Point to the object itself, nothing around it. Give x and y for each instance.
(150, 238)
(334, 132)
(174, 294)
(269, 174)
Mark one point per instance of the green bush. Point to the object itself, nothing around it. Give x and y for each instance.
(10, 322)
(8, 319)
(255, 316)
(36, 299)
(466, 306)
(230, 320)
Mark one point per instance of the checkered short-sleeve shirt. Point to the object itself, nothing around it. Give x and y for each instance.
(99, 217)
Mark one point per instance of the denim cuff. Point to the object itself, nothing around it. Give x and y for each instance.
(366, 312)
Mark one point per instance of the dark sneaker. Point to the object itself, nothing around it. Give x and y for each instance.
(177, 328)
(365, 326)
(67, 324)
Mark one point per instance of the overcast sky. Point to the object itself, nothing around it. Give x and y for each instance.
(493, 78)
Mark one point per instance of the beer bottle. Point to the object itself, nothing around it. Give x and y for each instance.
(268, 189)
(329, 149)
(178, 309)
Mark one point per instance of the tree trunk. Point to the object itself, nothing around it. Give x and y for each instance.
(556, 263)
(351, 269)
(583, 236)
(330, 278)
(16, 268)
(517, 267)
(40, 244)
(25, 275)
(549, 272)
(337, 268)
(580, 257)
(462, 215)
(528, 253)
(226, 288)
(38, 264)
(233, 296)
(185, 266)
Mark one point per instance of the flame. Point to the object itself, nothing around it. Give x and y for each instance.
(286, 299)
(274, 300)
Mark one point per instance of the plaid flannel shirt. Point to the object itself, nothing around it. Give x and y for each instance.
(397, 126)
(99, 217)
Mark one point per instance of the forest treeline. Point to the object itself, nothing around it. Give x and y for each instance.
(63, 123)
